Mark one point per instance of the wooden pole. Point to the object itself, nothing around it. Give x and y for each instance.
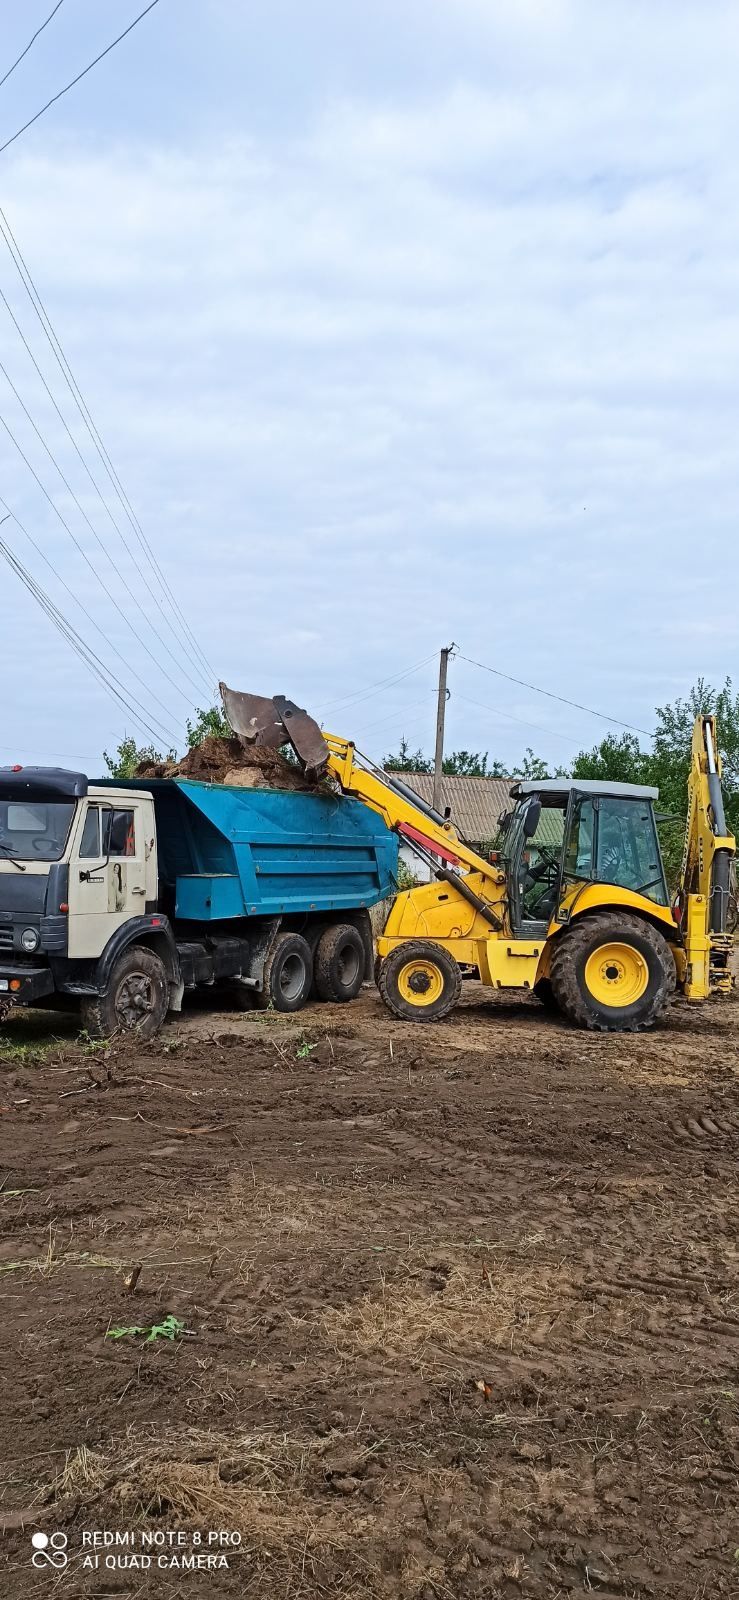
(440, 716)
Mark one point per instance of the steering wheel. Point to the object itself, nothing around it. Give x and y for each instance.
(548, 858)
(40, 841)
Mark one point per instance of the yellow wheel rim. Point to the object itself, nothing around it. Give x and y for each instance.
(420, 983)
(616, 974)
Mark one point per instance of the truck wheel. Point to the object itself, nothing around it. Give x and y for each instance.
(136, 1001)
(288, 974)
(614, 973)
(339, 963)
(419, 981)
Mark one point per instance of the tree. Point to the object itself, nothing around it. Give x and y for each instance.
(208, 724)
(617, 759)
(472, 764)
(407, 760)
(531, 767)
(129, 757)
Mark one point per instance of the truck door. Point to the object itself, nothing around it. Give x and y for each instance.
(107, 874)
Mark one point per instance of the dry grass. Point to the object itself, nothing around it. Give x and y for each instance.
(258, 1484)
(443, 1318)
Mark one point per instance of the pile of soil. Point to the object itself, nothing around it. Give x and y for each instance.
(231, 761)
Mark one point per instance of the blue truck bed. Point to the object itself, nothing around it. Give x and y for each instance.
(231, 852)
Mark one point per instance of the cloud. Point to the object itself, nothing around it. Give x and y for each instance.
(453, 362)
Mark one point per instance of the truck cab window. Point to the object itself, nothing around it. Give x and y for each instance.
(119, 837)
(90, 841)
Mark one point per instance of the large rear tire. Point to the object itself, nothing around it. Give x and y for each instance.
(419, 981)
(613, 973)
(288, 974)
(339, 963)
(136, 1001)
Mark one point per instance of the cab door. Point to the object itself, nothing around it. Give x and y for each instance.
(107, 874)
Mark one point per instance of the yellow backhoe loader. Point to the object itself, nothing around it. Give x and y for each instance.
(573, 906)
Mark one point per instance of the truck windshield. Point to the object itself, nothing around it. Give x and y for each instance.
(35, 830)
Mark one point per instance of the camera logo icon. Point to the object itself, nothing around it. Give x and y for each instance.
(49, 1550)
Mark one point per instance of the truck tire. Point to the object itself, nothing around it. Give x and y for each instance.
(136, 1000)
(419, 981)
(614, 973)
(288, 974)
(339, 963)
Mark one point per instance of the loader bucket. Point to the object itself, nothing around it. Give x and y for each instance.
(275, 722)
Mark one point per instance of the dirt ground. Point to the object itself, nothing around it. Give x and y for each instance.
(459, 1306)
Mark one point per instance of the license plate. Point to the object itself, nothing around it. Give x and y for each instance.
(3, 984)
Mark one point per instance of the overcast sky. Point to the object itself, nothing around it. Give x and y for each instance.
(403, 323)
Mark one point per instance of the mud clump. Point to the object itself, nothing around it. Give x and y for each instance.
(231, 761)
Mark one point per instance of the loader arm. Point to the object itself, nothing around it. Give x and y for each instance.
(407, 815)
(704, 886)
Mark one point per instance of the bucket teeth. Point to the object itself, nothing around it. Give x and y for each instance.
(275, 722)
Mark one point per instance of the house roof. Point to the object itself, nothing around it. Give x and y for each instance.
(475, 803)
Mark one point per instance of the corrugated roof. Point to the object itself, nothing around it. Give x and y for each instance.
(476, 803)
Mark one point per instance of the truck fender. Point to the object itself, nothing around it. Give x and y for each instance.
(153, 931)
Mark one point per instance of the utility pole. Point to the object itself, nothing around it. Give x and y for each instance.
(440, 715)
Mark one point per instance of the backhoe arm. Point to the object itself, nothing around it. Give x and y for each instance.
(705, 876)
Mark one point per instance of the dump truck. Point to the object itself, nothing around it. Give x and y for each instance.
(118, 897)
(573, 906)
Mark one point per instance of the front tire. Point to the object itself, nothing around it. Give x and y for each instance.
(612, 973)
(136, 1000)
(419, 981)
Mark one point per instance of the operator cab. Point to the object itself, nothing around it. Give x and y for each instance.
(568, 831)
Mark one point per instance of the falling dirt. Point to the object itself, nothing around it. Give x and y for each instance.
(231, 761)
(459, 1305)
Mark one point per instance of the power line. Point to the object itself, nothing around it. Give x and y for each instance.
(496, 712)
(168, 733)
(103, 501)
(98, 577)
(58, 353)
(101, 544)
(576, 704)
(79, 76)
(93, 662)
(31, 41)
(374, 688)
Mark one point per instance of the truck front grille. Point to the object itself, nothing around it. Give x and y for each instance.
(6, 935)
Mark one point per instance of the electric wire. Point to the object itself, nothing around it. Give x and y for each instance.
(168, 733)
(77, 643)
(374, 688)
(120, 575)
(31, 41)
(537, 689)
(98, 577)
(80, 75)
(205, 673)
(567, 738)
(51, 336)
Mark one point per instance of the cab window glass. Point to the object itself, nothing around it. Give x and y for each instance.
(90, 842)
(628, 849)
(579, 853)
(119, 836)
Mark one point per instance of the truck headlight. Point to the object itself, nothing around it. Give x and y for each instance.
(30, 939)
